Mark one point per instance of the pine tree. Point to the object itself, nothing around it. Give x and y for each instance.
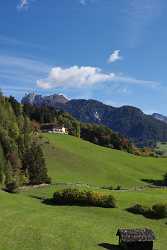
(34, 163)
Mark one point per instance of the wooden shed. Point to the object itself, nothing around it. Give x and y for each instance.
(138, 239)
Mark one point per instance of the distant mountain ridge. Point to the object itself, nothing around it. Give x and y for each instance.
(160, 117)
(39, 100)
(131, 122)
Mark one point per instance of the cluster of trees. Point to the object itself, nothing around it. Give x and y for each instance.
(20, 151)
(46, 114)
(104, 136)
(98, 134)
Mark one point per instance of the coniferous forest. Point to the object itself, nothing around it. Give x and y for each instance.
(23, 160)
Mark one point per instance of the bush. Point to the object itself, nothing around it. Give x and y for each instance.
(12, 187)
(160, 210)
(85, 198)
(118, 187)
(139, 209)
(157, 211)
(165, 179)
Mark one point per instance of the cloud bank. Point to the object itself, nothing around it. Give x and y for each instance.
(76, 77)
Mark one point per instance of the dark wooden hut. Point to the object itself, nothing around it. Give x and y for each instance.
(136, 239)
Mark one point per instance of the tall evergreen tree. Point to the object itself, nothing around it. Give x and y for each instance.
(34, 163)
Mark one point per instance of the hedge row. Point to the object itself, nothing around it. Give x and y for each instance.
(84, 198)
(157, 211)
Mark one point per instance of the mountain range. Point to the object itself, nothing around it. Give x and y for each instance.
(160, 117)
(142, 129)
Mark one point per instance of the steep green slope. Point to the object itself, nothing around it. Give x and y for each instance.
(71, 159)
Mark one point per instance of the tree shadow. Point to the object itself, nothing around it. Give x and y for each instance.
(109, 246)
(37, 197)
(43, 200)
(49, 202)
(158, 183)
(149, 213)
(52, 202)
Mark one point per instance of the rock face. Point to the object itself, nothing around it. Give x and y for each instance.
(40, 100)
(131, 122)
(160, 117)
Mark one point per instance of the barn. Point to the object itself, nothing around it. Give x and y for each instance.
(138, 239)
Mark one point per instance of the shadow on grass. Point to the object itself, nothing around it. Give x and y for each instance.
(109, 246)
(157, 183)
(44, 200)
(149, 213)
(51, 202)
(37, 197)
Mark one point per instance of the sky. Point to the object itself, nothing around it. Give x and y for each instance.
(114, 51)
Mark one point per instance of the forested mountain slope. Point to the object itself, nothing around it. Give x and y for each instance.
(131, 122)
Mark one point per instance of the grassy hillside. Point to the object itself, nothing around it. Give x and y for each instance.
(29, 224)
(73, 160)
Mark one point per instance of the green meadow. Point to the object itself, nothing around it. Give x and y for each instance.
(73, 160)
(26, 223)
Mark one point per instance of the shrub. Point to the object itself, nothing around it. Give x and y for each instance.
(157, 211)
(118, 187)
(12, 187)
(139, 209)
(160, 210)
(85, 198)
(165, 179)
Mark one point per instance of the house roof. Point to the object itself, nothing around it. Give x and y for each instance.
(136, 235)
(51, 125)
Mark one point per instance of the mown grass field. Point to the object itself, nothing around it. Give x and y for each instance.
(73, 160)
(28, 224)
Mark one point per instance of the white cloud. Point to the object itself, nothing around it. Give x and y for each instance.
(75, 77)
(115, 56)
(23, 4)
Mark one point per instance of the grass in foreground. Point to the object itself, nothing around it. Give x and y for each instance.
(28, 224)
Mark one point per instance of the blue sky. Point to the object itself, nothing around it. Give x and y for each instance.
(111, 50)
